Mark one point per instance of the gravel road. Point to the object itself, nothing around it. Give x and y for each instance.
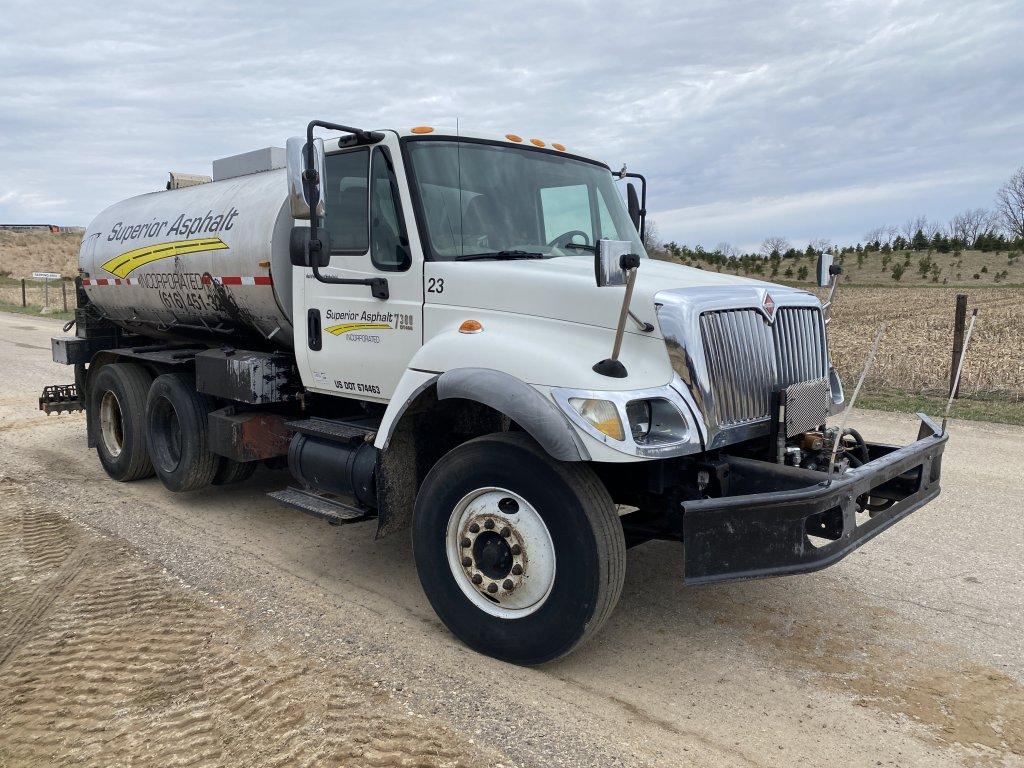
(219, 628)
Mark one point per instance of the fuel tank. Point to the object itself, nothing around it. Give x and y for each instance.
(208, 261)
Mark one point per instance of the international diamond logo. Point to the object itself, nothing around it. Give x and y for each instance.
(769, 306)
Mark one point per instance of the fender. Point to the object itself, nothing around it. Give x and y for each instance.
(527, 407)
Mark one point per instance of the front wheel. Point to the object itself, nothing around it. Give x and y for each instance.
(521, 556)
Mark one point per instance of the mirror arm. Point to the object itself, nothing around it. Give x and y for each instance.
(624, 174)
(835, 271)
(378, 285)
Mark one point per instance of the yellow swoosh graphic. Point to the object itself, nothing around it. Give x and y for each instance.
(337, 330)
(129, 261)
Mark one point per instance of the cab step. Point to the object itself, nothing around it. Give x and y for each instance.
(329, 508)
(341, 430)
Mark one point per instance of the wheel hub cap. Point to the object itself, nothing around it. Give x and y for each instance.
(501, 553)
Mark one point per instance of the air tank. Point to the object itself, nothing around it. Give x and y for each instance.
(208, 261)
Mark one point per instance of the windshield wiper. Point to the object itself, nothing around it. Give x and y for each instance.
(500, 255)
(580, 246)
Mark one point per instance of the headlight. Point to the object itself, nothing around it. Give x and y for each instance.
(655, 421)
(601, 414)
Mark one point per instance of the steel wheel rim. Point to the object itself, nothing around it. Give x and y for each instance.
(111, 424)
(500, 553)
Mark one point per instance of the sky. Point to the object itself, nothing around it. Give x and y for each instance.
(804, 119)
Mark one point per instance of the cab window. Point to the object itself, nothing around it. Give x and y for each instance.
(346, 219)
(389, 246)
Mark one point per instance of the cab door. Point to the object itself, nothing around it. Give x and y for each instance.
(357, 345)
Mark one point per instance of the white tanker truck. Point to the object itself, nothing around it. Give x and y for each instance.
(463, 334)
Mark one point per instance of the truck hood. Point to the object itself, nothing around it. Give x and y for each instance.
(564, 289)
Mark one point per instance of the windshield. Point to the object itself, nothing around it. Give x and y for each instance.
(483, 200)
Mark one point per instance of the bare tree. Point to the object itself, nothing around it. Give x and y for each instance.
(774, 245)
(1010, 204)
(876, 235)
(728, 250)
(652, 240)
(821, 244)
(911, 226)
(967, 226)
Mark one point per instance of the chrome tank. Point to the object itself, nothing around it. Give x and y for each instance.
(209, 260)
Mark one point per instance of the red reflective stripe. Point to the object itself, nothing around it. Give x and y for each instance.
(231, 280)
(267, 280)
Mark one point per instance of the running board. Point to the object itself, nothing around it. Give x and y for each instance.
(334, 511)
(336, 429)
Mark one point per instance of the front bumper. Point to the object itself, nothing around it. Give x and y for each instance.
(752, 533)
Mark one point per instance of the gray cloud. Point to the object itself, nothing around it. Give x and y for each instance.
(806, 119)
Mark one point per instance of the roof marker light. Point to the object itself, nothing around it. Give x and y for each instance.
(559, 147)
(422, 129)
(513, 137)
(537, 143)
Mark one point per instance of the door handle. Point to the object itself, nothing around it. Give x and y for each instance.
(313, 335)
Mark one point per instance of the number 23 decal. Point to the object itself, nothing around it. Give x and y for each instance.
(435, 285)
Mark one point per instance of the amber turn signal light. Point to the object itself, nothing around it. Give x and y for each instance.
(471, 326)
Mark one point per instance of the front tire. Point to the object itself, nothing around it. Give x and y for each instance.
(177, 434)
(521, 556)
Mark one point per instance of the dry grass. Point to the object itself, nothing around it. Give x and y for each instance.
(22, 253)
(916, 350)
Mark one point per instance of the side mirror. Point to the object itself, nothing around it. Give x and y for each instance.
(306, 252)
(633, 204)
(612, 261)
(825, 270)
(299, 188)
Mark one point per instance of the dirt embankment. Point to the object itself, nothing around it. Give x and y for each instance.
(22, 253)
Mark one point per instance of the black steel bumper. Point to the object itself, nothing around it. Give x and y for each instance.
(809, 524)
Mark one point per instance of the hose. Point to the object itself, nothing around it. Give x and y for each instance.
(861, 444)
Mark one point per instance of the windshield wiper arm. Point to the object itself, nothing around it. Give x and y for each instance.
(500, 255)
(581, 246)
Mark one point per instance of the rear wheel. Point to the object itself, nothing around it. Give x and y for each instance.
(230, 471)
(521, 556)
(177, 433)
(117, 412)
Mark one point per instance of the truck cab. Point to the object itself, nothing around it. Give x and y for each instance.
(463, 335)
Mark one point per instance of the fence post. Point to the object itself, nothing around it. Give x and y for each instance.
(959, 321)
(64, 292)
(24, 303)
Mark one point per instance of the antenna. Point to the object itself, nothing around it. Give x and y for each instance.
(853, 399)
(959, 370)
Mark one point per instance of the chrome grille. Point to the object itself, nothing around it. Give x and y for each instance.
(749, 359)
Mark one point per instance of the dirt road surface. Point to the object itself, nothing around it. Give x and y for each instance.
(219, 628)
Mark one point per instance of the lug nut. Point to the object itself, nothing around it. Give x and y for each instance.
(505, 532)
(517, 570)
(474, 528)
(488, 524)
(466, 543)
(516, 549)
(467, 561)
(492, 587)
(508, 585)
(477, 578)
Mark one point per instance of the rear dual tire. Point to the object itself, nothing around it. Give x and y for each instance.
(177, 434)
(117, 416)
